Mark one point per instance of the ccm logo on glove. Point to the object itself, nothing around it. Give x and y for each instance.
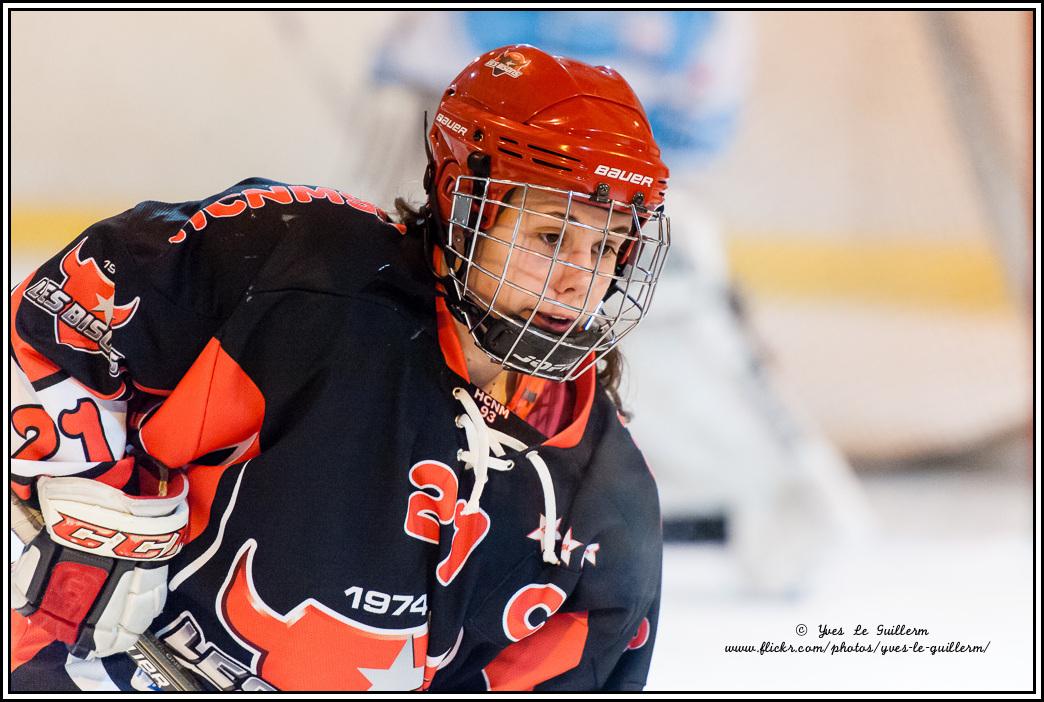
(95, 518)
(96, 577)
(122, 544)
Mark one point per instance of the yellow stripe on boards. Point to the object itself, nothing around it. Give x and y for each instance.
(35, 230)
(954, 275)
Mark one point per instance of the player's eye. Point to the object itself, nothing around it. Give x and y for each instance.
(550, 238)
(610, 249)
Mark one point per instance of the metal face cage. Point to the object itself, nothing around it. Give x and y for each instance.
(558, 278)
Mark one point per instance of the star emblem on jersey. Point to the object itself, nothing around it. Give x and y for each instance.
(311, 645)
(590, 554)
(107, 306)
(568, 546)
(538, 533)
(402, 675)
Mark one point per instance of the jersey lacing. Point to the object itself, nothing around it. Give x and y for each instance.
(486, 451)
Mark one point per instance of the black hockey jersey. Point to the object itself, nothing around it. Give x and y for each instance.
(361, 516)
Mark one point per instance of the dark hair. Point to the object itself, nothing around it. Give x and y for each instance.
(610, 369)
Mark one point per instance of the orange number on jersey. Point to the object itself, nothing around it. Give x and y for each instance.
(426, 513)
(468, 532)
(33, 420)
(84, 423)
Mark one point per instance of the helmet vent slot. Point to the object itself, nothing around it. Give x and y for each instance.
(550, 165)
(502, 150)
(553, 153)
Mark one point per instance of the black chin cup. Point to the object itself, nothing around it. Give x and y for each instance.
(533, 352)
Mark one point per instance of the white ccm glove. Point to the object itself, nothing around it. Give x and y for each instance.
(96, 576)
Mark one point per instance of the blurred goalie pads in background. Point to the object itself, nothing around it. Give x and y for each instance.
(733, 463)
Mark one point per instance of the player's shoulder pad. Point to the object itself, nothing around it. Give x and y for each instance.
(230, 237)
(248, 205)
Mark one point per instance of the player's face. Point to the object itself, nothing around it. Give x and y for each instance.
(573, 281)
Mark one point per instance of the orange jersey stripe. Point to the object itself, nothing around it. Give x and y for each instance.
(448, 341)
(31, 361)
(556, 648)
(27, 640)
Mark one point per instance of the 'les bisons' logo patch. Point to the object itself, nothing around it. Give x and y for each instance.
(84, 307)
(510, 63)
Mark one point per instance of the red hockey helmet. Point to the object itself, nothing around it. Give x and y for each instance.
(520, 120)
(547, 120)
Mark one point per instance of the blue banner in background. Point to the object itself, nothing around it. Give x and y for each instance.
(667, 41)
(663, 55)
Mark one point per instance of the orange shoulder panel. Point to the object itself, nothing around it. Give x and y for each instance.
(215, 406)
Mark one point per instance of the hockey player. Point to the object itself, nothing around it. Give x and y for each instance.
(787, 498)
(311, 448)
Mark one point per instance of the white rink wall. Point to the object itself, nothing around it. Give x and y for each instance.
(122, 106)
(118, 107)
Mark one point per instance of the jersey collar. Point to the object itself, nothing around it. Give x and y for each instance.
(585, 384)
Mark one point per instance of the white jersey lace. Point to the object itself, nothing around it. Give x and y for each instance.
(485, 452)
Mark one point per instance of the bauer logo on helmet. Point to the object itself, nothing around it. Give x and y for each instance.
(626, 176)
(451, 125)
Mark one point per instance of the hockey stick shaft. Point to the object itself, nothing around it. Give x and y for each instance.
(148, 652)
